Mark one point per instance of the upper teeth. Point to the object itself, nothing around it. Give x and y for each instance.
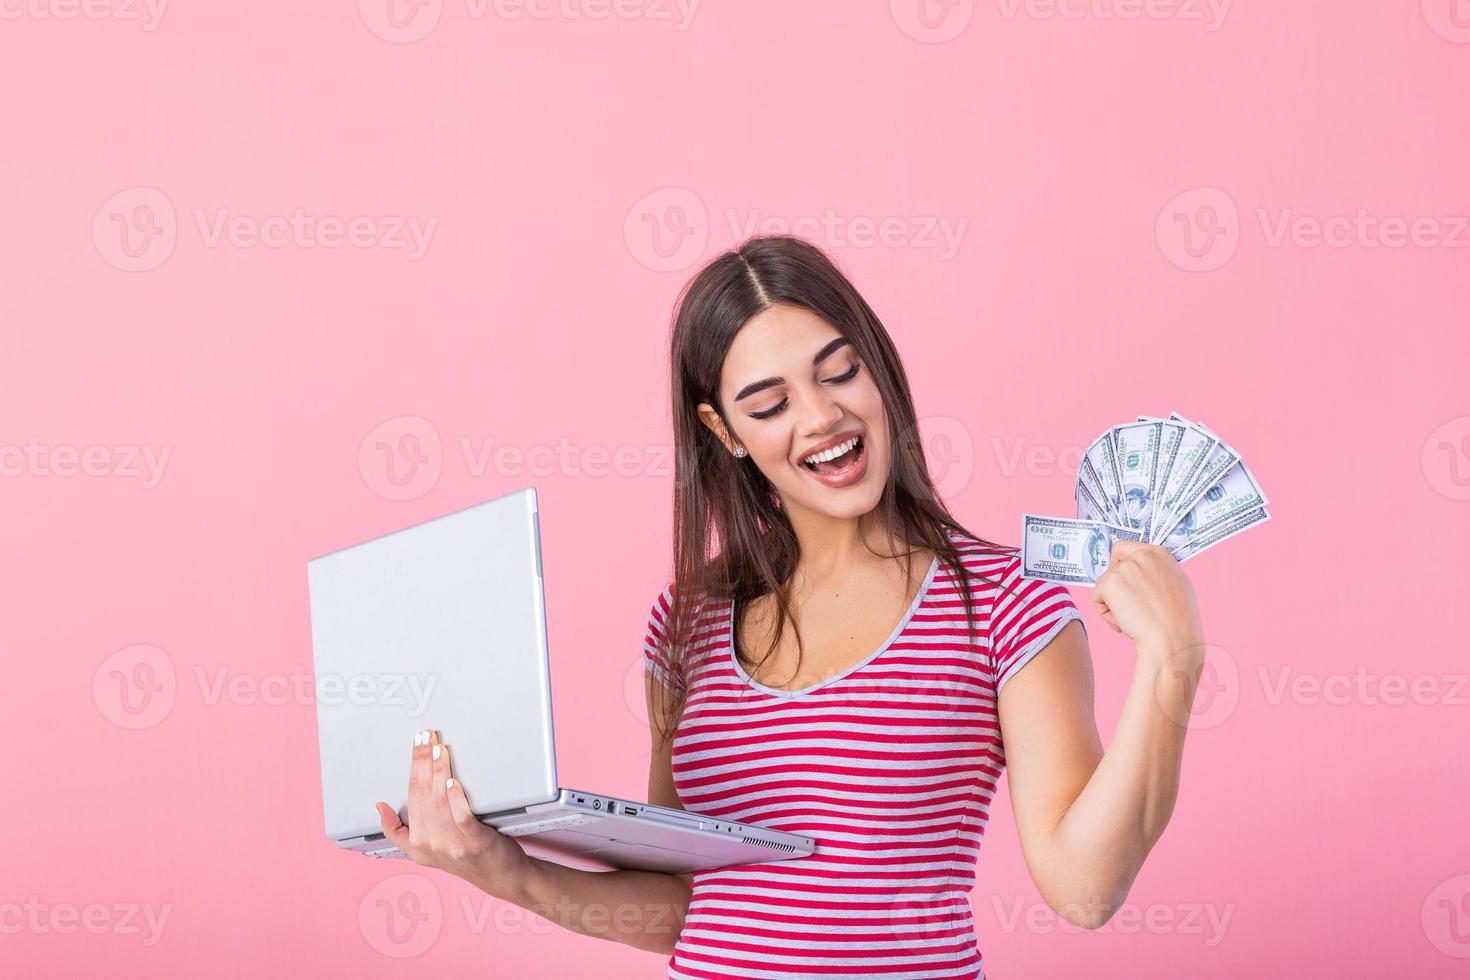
(832, 453)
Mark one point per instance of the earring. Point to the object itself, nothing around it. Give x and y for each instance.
(740, 451)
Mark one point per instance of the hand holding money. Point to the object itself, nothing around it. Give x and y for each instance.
(1169, 482)
(1147, 597)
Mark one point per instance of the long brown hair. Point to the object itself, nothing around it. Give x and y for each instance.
(725, 500)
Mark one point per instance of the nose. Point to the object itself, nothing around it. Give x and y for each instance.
(817, 412)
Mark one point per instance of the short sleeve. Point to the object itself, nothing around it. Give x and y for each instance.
(655, 659)
(1027, 615)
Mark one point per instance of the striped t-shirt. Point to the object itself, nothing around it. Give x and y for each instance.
(891, 766)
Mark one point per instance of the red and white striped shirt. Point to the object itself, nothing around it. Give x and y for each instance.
(891, 766)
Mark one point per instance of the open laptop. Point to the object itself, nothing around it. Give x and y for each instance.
(442, 625)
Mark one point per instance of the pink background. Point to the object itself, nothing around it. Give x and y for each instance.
(1319, 830)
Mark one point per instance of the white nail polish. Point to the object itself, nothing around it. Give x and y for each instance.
(449, 783)
(422, 738)
(436, 751)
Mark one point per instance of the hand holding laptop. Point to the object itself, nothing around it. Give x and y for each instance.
(442, 830)
(453, 608)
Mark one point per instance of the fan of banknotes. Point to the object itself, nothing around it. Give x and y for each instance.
(1170, 482)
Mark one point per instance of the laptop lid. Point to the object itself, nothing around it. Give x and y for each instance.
(439, 625)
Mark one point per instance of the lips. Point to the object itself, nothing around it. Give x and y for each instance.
(854, 469)
(827, 444)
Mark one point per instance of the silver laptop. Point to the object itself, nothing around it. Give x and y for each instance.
(443, 625)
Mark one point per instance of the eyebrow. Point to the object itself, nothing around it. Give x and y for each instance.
(764, 383)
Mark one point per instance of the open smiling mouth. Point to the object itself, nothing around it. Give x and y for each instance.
(841, 466)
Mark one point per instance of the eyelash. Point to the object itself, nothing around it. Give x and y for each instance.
(840, 379)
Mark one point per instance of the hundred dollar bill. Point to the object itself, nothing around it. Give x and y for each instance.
(1138, 445)
(1220, 532)
(1170, 443)
(1102, 458)
(1089, 481)
(1236, 493)
(1220, 460)
(1060, 549)
(1195, 446)
(1089, 507)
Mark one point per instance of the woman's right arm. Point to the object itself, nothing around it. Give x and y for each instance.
(642, 909)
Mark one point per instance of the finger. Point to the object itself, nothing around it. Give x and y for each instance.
(1125, 549)
(420, 778)
(393, 828)
(440, 820)
(461, 811)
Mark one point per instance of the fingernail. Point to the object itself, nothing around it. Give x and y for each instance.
(436, 751)
(449, 782)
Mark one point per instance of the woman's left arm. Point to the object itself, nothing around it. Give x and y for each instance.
(1086, 818)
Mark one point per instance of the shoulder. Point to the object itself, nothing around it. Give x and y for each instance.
(988, 565)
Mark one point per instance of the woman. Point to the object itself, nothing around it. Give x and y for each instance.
(880, 721)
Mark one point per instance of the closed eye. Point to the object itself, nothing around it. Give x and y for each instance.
(780, 406)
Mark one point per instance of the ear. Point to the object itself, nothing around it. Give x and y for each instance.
(712, 420)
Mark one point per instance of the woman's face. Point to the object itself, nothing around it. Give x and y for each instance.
(791, 384)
